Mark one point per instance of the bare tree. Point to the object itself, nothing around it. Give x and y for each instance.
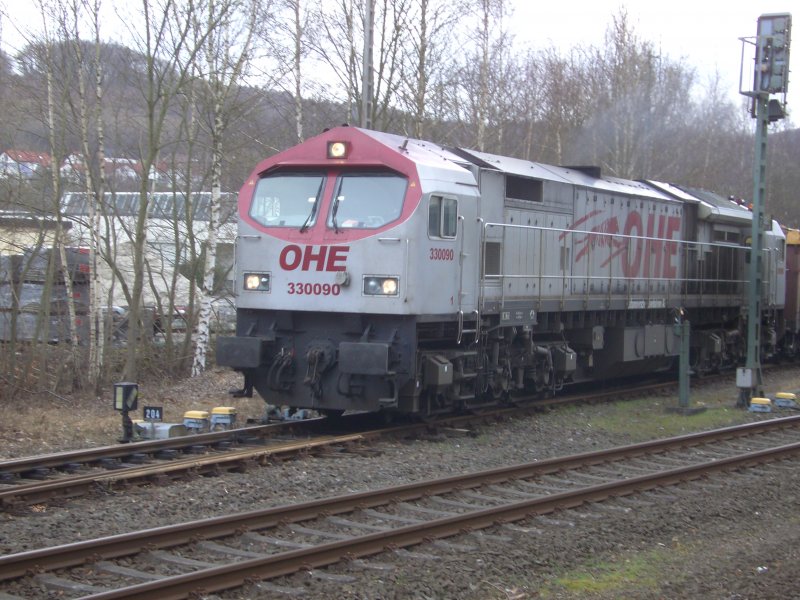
(339, 45)
(297, 60)
(88, 111)
(552, 103)
(486, 93)
(426, 57)
(170, 51)
(640, 97)
(711, 140)
(228, 42)
(488, 9)
(47, 293)
(287, 32)
(56, 13)
(336, 45)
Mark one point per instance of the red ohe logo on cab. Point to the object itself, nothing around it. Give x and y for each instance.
(313, 258)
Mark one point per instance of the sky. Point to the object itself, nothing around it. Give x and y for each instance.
(705, 33)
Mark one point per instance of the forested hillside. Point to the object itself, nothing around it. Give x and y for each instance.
(446, 72)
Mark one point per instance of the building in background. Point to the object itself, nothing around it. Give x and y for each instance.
(168, 254)
(23, 164)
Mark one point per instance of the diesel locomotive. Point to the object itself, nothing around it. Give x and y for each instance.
(375, 272)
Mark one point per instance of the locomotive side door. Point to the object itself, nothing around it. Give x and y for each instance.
(453, 235)
(469, 240)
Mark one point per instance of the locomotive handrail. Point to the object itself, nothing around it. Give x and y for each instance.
(712, 283)
(481, 262)
(502, 254)
(462, 331)
(460, 221)
(406, 287)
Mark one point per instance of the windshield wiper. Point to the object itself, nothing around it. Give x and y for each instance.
(334, 210)
(310, 217)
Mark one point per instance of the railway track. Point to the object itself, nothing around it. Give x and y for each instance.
(44, 478)
(221, 553)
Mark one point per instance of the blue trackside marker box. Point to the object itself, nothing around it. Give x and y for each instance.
(760, 405)
(785, 400)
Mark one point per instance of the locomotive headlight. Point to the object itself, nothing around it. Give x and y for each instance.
(380, 286)
(337, 149)
(256, 282)
(389, 287)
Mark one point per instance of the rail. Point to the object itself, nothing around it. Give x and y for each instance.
(38, 479)
(496, 496)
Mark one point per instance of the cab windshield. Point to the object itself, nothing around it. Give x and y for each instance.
(287, 199)
(366, 200)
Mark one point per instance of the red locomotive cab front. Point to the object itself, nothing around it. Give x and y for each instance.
(338, 187)
(314, 224)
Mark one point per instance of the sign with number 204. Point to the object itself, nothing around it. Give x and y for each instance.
(153, 413)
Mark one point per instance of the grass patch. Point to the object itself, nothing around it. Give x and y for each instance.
(638, 573)
(648, 419)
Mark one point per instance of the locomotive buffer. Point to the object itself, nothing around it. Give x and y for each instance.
(771, 76)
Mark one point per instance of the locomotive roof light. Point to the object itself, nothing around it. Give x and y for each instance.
(338, 149)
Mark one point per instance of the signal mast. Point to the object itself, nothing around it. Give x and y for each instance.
(770, 76)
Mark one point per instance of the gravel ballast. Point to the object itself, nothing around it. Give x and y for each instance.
(733, 536)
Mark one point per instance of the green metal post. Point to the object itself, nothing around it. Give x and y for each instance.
(750, 381)
(770, 76)
(684, 331)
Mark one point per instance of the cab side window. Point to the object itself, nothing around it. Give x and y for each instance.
(443, 217)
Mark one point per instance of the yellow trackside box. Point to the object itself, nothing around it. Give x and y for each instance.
(223, 415)
(195, 419)
(195, 414)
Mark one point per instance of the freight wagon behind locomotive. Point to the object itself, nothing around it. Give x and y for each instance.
(377, 272)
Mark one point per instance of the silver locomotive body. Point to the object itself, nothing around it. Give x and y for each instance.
(376, 272)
